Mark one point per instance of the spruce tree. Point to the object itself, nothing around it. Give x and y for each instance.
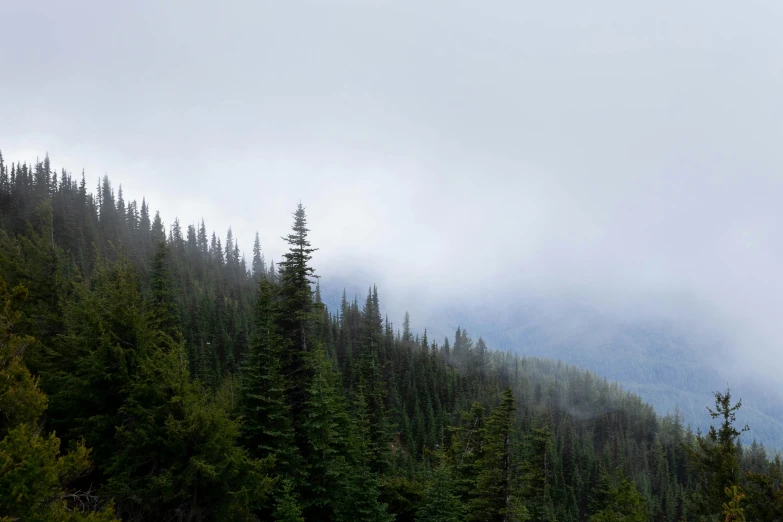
(360, 501)
(496, 495)
(33, 474)
(715, 459)
(466, 445)
(267, 429)
(440, 502)
(297, 310)
(624, 504)
(287, 508)
(164, 307)
(259, 264)
(537, 474)
(324, 431)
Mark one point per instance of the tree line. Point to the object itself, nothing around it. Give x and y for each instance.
(153, 373)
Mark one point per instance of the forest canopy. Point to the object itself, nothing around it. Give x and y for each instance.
(153, 373)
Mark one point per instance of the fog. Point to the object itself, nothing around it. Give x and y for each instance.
(606, 152)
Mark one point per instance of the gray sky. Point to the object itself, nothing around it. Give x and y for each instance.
(624, 152)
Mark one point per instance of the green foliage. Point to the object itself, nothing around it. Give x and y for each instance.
(90, 368)
(715, 459)
(33, 474)
(267, 429)
(496, 493)
(538, 474)
(288, 509)
(362, 487)
(440, 502)
(177, 450)
(324, 428)
(623, 504)
(208, 392)
(732, 509)
(162, 303)
(21, 401)
(297, 309)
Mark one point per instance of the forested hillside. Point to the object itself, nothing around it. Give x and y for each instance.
(667, 362)
(153, 373)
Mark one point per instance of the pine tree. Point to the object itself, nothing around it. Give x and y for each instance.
(177, 451)
(33, 474)
(407, 336)
(266, 427)
(537, 474)
(113, 364)
(371, 385)
(202, 239)
(93, 362)
(360, 501)
(625, 504)
(164, 308)
(324, 430)
(287, 509)
(259, 264)
(231, 261)
(732, 509)
(440, 502)
(297, 310)
(465, 450)
(495, 496)
(715, 459)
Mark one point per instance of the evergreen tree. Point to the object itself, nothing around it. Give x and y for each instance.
(360, 501)
(440, 502)
(157, 232)
(715, 459)
(466, 444)
(296, 309)
(33, 475)
(288, 509)
(267, 429)
(624, 504)
(88, 371)
(324, 430)
(164, 308)
(259, 264)
(732, 509)
(177, 450)
(537, 474)
(113, 312)
(495, 496)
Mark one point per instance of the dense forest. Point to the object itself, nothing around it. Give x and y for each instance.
(153, 373)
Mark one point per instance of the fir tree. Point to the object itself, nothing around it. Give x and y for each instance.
(297, 310)
(266, 428)
(164, 307)
(715, 458)
(625, 504)
(33, 474)
(440, 502)
(259, 264)
(287, 509)
(324, 429)
(495, 496)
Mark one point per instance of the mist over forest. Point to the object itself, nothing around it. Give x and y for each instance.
(391, 260)
(152, 374)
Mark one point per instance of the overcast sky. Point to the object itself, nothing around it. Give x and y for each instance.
(625, 152)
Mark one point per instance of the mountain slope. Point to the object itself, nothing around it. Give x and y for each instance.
(668, 364)
(664, 363)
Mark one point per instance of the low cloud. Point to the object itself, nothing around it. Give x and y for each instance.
(621, 155)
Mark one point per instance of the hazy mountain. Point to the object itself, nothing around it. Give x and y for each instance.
(668, 363)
